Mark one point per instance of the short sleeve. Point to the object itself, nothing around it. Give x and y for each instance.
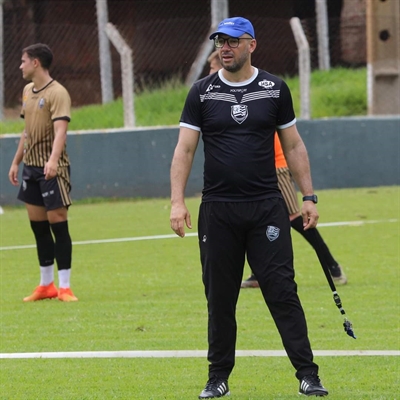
(60, 105)
(286, 116)
(191, 113)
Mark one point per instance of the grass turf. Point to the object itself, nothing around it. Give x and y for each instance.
(147, 295)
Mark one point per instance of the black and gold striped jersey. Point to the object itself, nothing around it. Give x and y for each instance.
(40, 109)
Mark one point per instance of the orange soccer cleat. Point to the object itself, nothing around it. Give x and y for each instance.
(65, 294)
(43, 292)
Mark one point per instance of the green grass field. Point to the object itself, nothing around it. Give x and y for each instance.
(148, 295)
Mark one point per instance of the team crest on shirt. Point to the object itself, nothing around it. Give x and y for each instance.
(239, 113)
(272, 233)
(25, 98)
(41, 103)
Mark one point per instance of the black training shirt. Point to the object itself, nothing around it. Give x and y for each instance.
(237, 122)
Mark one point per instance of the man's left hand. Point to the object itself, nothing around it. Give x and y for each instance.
(310, 215)
(50, 170)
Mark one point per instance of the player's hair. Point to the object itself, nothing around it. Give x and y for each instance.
(40, 51)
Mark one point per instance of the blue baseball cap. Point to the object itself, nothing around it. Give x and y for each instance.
(234, 27)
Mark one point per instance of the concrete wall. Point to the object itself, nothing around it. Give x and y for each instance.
(345, 152)
(353, 152)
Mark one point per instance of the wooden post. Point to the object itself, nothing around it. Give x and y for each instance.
(383, 57)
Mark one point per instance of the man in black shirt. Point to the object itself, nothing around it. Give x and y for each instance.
(288, 190)
(237, 111)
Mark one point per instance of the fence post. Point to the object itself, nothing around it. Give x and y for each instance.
(219, 11)
(324, 61)
(304, 67)
(127, 73)
(107, 92)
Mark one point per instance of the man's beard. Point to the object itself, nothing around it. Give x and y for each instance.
(236, 65)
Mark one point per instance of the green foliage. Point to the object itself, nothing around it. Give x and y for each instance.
(336, 93)
(11, 126)
(148, 295)
(339, 96)
(161, 106)
(340, 92)
(156, 106)
(107, 116)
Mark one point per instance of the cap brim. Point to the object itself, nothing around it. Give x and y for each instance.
(226, 31)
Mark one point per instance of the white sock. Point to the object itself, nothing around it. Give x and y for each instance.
(64, 277)
(46, 275)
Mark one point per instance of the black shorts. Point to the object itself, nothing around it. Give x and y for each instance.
(51, 194)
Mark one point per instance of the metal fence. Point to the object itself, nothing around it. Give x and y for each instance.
(165, 37)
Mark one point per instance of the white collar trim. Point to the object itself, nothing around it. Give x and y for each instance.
(243, 83)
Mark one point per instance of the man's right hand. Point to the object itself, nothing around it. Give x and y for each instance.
(179, 217)
(13, 175)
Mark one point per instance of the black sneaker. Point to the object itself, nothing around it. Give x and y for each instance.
(310, 385)
(250, 282)
(215, 387)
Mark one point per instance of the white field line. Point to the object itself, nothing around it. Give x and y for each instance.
(173, 236)
(191, 354)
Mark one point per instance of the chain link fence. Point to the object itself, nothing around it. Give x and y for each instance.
(165, 37)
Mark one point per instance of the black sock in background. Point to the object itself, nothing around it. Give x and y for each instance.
(63, 245)
(315, 239)
(44, 242)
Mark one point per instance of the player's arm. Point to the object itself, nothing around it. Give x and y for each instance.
(19, 154)
(297, 159)
(180, 169)
(60, 137)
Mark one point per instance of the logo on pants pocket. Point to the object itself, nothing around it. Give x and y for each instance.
(272, 233)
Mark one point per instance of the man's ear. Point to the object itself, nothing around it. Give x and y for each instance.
(253, 45)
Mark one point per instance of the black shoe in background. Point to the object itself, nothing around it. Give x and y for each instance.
(250, 282)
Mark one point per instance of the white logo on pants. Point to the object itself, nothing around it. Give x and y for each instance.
(272, 233)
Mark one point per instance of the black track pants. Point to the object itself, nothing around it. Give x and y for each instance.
(261, 230)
